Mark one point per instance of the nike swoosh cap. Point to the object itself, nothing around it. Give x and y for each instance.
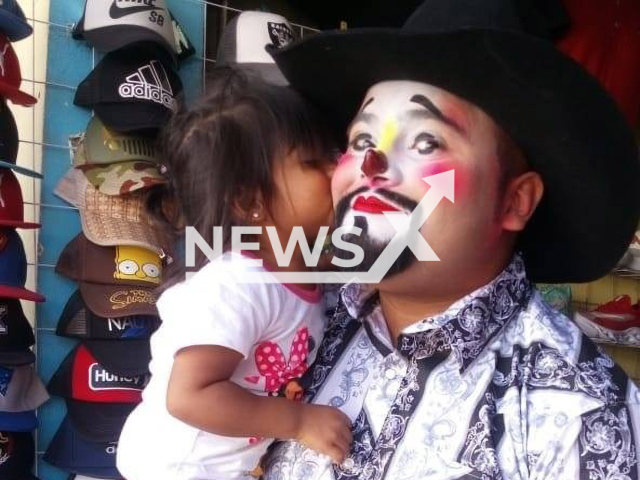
(111, 24)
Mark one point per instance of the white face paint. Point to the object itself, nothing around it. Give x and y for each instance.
(400, 122)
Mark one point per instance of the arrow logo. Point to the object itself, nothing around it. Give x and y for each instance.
(407, 236)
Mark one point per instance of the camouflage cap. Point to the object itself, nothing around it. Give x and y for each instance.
(102, 146)
(124, 177)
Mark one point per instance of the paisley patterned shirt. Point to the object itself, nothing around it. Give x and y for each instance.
(499, 386)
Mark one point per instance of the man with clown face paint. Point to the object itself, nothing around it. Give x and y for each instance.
(457, 369)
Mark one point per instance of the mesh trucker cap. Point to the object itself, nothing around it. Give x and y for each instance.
(82, 377)
(112, 24)
(13, 268)
(73, 454)
(13, 23)
(21, 389)
(18, 450)
(11, 202)
(100, 145)
(245, 38)
(112, 219)
(98, 422)
(131, 89)
(77, 321)
(9, 142)
(16, 335)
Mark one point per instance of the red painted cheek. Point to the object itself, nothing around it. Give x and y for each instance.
(345, 158)
(460, 175)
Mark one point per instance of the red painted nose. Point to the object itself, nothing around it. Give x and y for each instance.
(374, 163)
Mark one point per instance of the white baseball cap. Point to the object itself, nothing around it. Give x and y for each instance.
(112, 24)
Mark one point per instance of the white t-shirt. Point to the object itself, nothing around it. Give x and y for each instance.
(276, 327)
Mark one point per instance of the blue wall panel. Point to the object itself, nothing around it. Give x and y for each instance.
(69, 61)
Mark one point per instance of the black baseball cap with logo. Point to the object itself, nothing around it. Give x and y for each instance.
(16, 335)
(77, 321)
(17, 455)
(111, 24)
(132, 89)
(72, 453)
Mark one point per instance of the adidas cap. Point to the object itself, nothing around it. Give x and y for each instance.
(16, 335)
(131, 89)
(73, 454)
(245, 39)
(77, 321)
(98, 422)
(112, 24)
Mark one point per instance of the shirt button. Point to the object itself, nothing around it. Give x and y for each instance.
(348, 464)
(390, 374)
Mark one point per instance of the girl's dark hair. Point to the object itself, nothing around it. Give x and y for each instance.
(220, 152)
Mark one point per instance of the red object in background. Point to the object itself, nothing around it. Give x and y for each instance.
(604, 37)
(618, 314)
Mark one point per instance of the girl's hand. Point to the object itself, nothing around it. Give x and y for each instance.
(326, 430)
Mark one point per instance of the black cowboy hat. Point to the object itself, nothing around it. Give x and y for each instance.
(569, 129)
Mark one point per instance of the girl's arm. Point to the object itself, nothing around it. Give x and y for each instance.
(200, 394)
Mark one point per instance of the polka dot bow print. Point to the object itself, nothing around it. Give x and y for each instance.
(272, 365)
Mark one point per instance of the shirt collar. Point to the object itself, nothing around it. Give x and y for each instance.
(468, 325)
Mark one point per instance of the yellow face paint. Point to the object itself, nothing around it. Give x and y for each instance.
(136, 263)
(389, 134)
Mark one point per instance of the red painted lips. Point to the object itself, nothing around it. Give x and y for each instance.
(372, 205)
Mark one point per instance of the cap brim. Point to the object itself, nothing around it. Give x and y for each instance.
(14, 27)
(269, 72)
(18, 421)
(113, 37)
(17, 96)
(128, 117)
(108, 231)
(127, 359)
(118, 300)
(17, 358)
(12, 291)
(19, 169)
(14, 224)
(98, 422)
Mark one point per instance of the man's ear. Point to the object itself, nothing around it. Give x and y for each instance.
(521, 197)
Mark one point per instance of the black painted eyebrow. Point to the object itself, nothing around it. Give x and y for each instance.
(435, 111)
(367, 103)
